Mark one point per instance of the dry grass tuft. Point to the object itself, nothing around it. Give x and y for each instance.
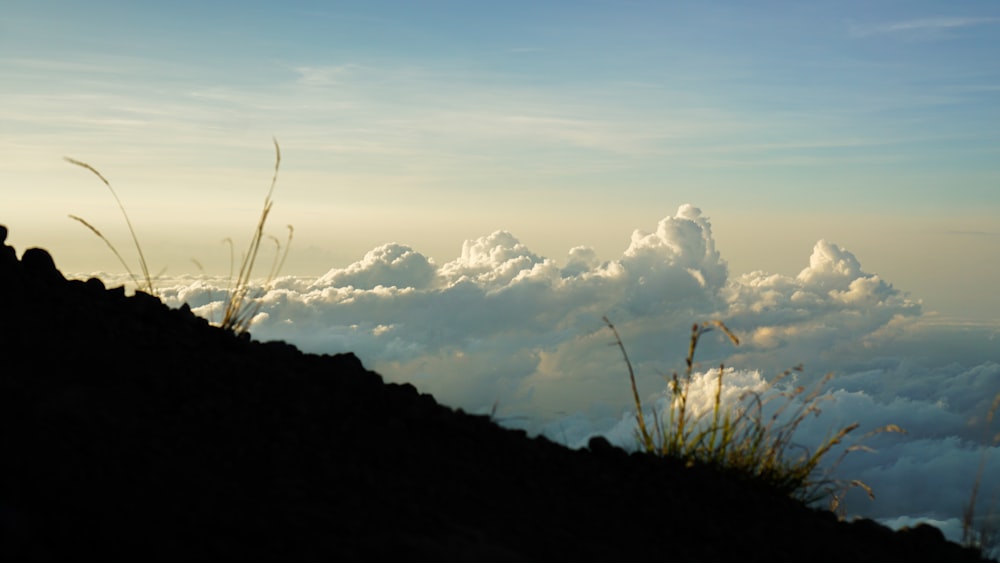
(147, 280)
(743, 439)
(242, 301)
(242, 305)
(984, 536)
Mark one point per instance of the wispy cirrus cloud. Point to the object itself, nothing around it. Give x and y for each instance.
(922, 26)
(972, 233)
(327, 75)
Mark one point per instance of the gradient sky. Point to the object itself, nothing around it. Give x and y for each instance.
(871, 124)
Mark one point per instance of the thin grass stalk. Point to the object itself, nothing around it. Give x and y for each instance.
(716, 412)
(646, 438)
(142, 259)
(279, 264)
(111, 246)
(968, 515)
(678, 429)
(234, 317)
(239, 315)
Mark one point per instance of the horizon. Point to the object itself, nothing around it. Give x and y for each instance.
(506, 332)
(566, 124)
(684, 160)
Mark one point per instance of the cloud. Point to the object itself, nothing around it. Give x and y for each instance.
(938, 23)
(324, 75)
(922, 27)
(389, 265)
(972, 233)
(491, 261)
(502, 329)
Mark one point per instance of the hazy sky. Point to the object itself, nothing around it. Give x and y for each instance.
(474, 184)
(871, 124)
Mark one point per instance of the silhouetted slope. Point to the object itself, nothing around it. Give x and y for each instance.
(131, 431)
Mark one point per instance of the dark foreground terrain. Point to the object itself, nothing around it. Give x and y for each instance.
(134, 432)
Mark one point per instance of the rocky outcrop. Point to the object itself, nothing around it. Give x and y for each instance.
(130, 431)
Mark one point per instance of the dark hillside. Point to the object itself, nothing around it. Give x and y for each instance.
(134, 432)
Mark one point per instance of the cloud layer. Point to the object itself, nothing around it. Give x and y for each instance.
(502, 329)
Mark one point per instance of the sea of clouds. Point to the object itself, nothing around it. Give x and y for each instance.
(501, 330)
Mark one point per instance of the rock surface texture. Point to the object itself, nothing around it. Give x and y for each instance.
(130, 431)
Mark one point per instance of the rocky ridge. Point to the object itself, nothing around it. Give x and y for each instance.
(133, 431)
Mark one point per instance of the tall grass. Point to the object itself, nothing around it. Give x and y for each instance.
(984, 536)
(242, 302)
(147, 281)
(751, 439)
(241, 306)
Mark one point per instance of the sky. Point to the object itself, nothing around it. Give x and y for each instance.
(473, 186)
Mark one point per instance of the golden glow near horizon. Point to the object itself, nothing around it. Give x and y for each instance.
(565, 126)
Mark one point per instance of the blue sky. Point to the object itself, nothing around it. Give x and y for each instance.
(473, 184)
(568, 123)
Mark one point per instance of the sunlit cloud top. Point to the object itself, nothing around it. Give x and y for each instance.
(502, 330)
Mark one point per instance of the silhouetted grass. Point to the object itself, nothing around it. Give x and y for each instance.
(241, 307)
(147, 281)
(242, 302)
(742, 439)
(984, 536)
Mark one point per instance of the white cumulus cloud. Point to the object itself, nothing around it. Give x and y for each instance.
(501, 327)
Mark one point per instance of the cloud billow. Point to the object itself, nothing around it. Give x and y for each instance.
(501, 327)
(389, 265)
